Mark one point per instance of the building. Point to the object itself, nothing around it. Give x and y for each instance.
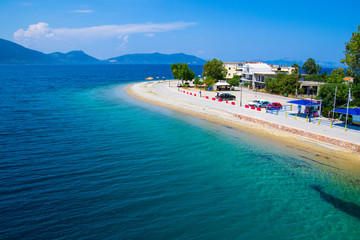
(282, 69)
(255, 74)
(233, 68)
(310, 87)
(348, 79)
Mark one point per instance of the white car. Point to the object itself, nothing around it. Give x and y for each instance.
(253, 102)
(262, 103)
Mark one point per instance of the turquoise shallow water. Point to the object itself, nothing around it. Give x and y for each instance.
(81, 159)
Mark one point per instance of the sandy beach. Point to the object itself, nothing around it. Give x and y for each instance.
(330, 146)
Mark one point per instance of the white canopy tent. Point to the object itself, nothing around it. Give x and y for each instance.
(222, 85)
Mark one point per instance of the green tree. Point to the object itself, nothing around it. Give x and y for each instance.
(296, 66)
(310, 67)
(214, 69)
(209, 81)
(340, 71)
(355, 93)
(349, 72)
(352, 55)
(197, 81)
(234, 81)
(273, 85)
(327, 94)
(337, 76)
(281, 83)
(316, 77)
(289, 84)
(187, 73)
(175, 70)
(182, 71)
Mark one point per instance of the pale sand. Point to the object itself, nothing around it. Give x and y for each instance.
(326, 154)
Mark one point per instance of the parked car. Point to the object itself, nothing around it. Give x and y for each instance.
(262, 103)
(274, 106)
(225, 96)
(253, 102)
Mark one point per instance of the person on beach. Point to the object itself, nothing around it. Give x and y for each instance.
(200, 93)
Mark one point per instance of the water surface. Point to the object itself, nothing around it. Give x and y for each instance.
(81, 159)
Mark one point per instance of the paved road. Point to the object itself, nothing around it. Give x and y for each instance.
(300, 123)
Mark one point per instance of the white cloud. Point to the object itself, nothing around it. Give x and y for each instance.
(25, 3)
(122, 46)
(126, 38)
(43, 37)
(82, 11)
(35, 31)
(104, 31)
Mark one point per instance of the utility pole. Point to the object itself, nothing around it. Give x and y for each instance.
(241, 94)
(332, 119)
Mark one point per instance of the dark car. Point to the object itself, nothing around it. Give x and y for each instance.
(274, 105)
(225, 96)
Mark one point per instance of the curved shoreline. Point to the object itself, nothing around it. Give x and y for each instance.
(323, 148)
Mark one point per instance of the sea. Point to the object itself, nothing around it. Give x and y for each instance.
(81, 159)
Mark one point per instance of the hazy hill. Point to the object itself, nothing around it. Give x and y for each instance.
(74, 57)
(13, 53)
(289, 62)
(156, 58)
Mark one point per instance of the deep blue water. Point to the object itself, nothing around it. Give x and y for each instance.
(80, 159)
(323, 70)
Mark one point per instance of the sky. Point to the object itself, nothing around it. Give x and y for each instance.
(228, 30)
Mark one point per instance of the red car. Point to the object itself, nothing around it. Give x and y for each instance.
(274, 106)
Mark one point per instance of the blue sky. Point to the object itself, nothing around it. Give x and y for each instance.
(226, 30)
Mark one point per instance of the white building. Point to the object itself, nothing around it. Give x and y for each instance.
(233, 68)
(255, 73)
(282, 69)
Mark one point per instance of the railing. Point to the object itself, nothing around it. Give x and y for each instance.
(286, 112)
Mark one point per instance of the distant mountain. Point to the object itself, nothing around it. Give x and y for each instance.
(283, 62)
(74, 57)
(156, 58)
(13, 53)
(289, 62)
